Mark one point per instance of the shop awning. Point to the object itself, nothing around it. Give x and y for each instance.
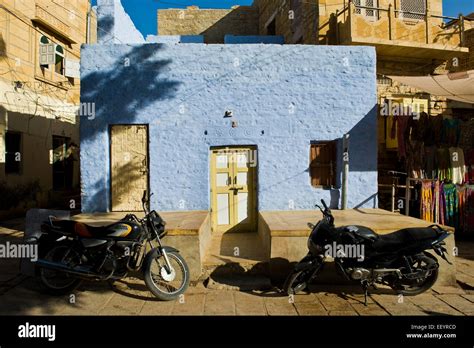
(456, 86)
(25, 101)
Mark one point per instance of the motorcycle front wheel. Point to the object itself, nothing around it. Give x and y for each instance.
(296, 282)
(166, 284)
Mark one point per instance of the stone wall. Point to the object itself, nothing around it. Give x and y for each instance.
(45, 103)
(287, 22)
(214, 24)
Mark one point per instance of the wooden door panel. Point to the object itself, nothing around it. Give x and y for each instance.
(129, 166)
(233, 190)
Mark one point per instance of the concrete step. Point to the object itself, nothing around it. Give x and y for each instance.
(237, 248)
(237, 276)
(236, 261)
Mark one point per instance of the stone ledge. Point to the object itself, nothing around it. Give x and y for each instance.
(285, 234)
(294, 223)
(178, 223)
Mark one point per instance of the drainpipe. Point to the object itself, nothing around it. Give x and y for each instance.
(345, 171)
(88, 28)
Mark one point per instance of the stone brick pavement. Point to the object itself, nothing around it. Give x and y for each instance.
(19, 296)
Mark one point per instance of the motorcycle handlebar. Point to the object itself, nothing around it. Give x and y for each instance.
(324, 204)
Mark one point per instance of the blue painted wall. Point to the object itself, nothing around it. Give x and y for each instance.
(281, 96)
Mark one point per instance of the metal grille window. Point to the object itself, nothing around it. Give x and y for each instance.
(367, 8)
(322, 166)
(413, 9)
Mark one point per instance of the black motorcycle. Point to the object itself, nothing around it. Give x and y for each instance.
(71, 252)
(398, 259)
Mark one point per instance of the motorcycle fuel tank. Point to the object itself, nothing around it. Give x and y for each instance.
(124, 229)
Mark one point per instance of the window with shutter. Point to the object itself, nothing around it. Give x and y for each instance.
(323, 155)
(46, 52)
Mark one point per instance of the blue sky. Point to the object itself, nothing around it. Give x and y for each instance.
(143, 12)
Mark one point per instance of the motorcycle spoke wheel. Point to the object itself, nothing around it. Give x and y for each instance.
(58, 280)
(170, 283)
(424, 274)
(296, 283)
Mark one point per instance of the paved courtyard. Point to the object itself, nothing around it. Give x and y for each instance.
(19, 296)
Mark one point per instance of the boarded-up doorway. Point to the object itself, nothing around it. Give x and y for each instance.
(129, 166)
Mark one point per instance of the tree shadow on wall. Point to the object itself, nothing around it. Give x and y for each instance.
(126, 87)
(119, 92)
(123, 186)
(105, 24)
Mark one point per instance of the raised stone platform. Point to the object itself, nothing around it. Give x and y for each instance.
(284, 235)
(281, 239)
(188, 231)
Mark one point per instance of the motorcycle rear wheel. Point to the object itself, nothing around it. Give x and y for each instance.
(56, 282)
(407, 288)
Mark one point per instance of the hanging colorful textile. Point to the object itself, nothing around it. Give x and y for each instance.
(398, 131)
(442, 204)
(436, 205)
(426, 212)
(451, 197)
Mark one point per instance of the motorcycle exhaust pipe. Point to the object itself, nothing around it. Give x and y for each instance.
(60, 267)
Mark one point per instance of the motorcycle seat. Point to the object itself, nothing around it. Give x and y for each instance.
(70, 227)
(396, 240)
(363, 232)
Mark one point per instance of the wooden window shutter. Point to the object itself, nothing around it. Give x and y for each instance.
(323, 164)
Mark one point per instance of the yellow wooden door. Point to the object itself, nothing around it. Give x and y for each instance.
(233, 189)
(129, 165)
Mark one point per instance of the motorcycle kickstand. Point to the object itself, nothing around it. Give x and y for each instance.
(365, 287)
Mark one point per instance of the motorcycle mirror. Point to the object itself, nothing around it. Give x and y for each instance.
(144, 199)
(324, 204)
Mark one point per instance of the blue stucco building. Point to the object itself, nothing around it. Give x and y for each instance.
(282, 98)
(171, 117)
